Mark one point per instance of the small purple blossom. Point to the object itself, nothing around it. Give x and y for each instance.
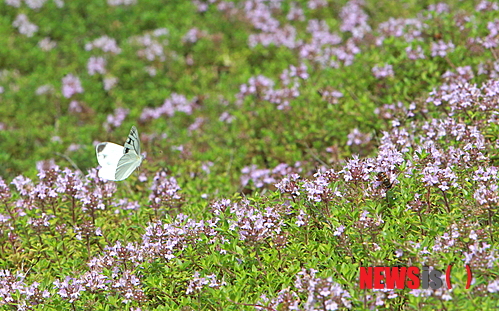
(198, 122)
(493, 287)
(487, 6)
(383, 72)
(414, 54)
(35, 4)
(14, 3)
(4, 191)
(152, 47)
(24, 26)
(164, 191)
(193, 35)
(439, 8)
(441, 48)
(104, 43)
(71, 85)
(69, 289)
(96, 65)
(46, 44)
(321, 292)
(44, 89)
(295, 13)
(354, 19)
(110, 82)
(197, 283)
(226, 117)
(356, 138)
(171, 105)
(121, 2)
(316, 4)
(115, 120)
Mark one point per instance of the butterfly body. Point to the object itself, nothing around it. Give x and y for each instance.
(118, 162)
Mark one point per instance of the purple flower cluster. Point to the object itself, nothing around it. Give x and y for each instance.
(331, 95)
(264, 18)
(152, 45)
(262, 177)
(71, 85)
(125, 283)
(24, 26)
(415, 53)
(256, 86)
(197, 283)
(410, 29)
(44, 89)
(14, 3)
(164, 191)
(109, 82)
(161, 241)
(69, 289)
(321, 293)
(198, 122)
(54, 185)
(485, 5)
(357, 138)
(193, 35)
(115, 120)
(171, 105)
(226, 117)
(105, 44)
(439, 8)
(121, 2)
(14, 292)
(318, 189)
(319, 48)
(128, 286)
(254, 226)
(354, 19)
(33, 4)
(316, 4)
(263, 89)
(487, 193)
(5, 194)
(96, 65)
(383, 72)
(96, 197)
(166, 241)
(442, 293)
(441, 48)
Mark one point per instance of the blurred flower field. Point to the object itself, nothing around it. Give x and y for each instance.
(287, 144)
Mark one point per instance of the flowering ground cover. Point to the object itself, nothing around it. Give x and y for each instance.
(287, 143)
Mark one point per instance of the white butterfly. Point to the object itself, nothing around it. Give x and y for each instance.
(119, 162)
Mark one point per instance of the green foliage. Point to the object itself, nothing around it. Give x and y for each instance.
(383, 228)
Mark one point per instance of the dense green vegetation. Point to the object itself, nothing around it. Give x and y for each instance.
(288, 144)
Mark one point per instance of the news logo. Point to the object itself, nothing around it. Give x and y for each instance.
(406, 277)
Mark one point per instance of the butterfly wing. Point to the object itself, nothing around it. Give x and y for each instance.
(127, 164)
(131, 158)
(132, 142)
(108, 156)
(118, 162)
(108, 153)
